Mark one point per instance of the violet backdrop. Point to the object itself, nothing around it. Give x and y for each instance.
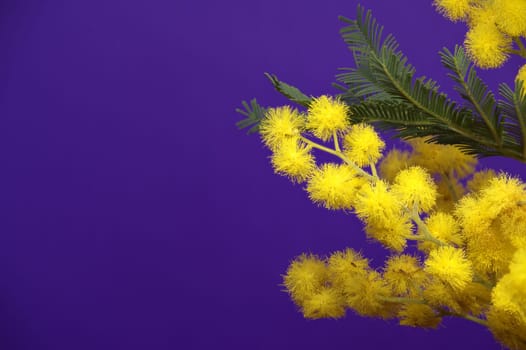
(135, 216)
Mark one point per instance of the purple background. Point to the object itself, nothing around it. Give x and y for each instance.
(135, 216)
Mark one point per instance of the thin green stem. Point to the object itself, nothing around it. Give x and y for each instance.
(424, 238)
(450, 187)
(465, 316)
(339, 155)
(475, 319)
(426, 235)
(336, 144)
(373, 170)
(320, 147)
(402, 300)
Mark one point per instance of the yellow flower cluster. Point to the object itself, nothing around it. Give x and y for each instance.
(467, 225)
(507, 314)
(493, 27)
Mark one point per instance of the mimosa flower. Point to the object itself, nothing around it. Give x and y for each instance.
(364, 295)
(327, 303)
(327, 116)
(334, 186)
(293, 159)
(414, 186)
(375, 203)
(512, 226)
(439, 294)
(344, 266)
(507, 315)
(363, 145)
(450, 265)
(280, 124)
(511, 16)
(510, 291)
(404, 274)
(453, 9)
(305, 277)
(487, 46)
(392, 231)
(419, 315)
(443, 227)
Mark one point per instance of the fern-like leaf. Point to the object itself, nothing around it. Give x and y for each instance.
(514, 113)
(253, 113)
(382, 70)
(473, 89)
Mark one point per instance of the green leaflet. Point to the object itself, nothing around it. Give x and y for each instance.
(253, 113)
(289, 91)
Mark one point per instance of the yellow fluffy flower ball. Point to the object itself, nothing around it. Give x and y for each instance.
(482, 12)
(439, 294)
(363, 145)
(343, 265)
(383, 215)
(334, 186)
(507, 315)
(376, 203)
(487, 46)
(502, 192)
(391, 231)
(326, 116)
(419, 315)
(305, 277)
(479, 216)
(414, 186)
(511, 16)
(450, 265)
(510, 292)
(293, 159)
(327, 303)
(280, 124)
(404, 274)
(364, 295)
(477, 211)
(453, 9)
(445, 228)
(507, 327)
(512, 226)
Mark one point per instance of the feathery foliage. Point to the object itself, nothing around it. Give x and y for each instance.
(382, 88)
(395, 99)
(513, 109)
